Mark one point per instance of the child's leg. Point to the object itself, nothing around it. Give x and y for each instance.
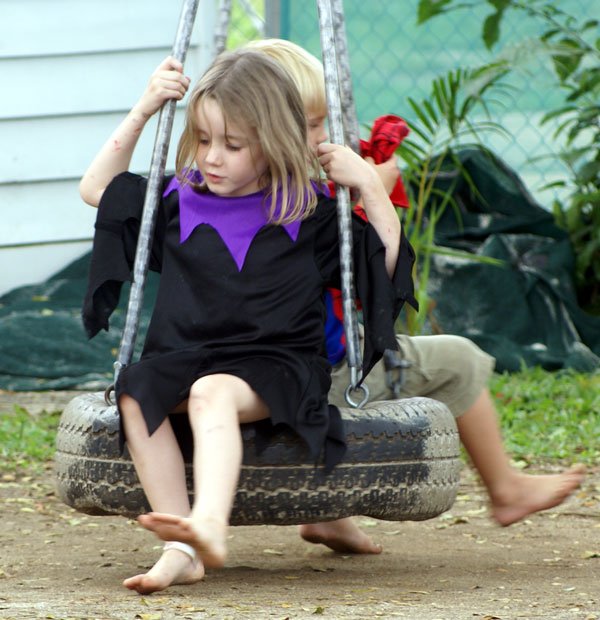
(513, 494)
(157, 458)
(455, 371)
(217, 405)
(160, 468)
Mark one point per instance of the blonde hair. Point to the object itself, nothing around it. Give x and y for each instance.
(304, 68)
(257, 95)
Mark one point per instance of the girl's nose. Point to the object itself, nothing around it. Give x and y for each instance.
(213, 155)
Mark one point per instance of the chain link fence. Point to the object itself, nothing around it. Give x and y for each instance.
(392, 58)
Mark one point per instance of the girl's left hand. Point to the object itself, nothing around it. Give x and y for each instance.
(343, 166)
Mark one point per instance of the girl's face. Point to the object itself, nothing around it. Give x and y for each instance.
(232, 163)
(316, 130)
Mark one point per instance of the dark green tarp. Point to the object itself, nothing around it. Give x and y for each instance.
(524, 313)
(43, 344)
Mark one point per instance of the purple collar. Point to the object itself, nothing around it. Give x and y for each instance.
(237, 219)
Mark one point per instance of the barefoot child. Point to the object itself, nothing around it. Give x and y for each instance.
(448, 368)
(245, 243)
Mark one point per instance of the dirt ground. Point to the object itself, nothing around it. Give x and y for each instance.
(58, 564)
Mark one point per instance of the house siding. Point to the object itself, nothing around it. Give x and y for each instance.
(71, 70)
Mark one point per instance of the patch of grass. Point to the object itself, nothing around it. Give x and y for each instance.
(548, 415)
(26, 440)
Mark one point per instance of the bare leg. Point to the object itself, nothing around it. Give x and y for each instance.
(342, 535)
(513, 494)
(163, 480)
(217, 405)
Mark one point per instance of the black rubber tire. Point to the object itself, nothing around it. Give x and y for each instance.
(402, 464)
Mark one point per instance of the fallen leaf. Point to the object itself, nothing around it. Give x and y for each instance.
(477, 511)
(519, 465)
(459, 520)
(588, 555)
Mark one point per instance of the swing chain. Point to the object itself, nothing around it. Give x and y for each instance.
(395, 367)
(331, 67)
(355, 378)
(108, 392)
(151, 201)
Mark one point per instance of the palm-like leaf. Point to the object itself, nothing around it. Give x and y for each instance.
(443, 122)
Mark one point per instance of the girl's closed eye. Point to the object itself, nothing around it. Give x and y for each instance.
(233, 147)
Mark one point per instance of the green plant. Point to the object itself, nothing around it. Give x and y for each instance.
(449, 119)
(26, 440)
(577, 65)
(546, 415)
(573, 48)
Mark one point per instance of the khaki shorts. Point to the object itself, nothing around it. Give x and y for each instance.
(450, 369)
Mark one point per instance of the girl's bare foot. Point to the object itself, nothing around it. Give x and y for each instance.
(173, 568)
(207, 536)
(343, 536)
(527, 494)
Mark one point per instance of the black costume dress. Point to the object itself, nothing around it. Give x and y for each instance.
(262, 321)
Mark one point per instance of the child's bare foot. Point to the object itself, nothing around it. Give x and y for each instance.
(207, 537)
(173, 568)
(342, 536)
(527, 494)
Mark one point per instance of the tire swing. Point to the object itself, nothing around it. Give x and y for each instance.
(402, 461)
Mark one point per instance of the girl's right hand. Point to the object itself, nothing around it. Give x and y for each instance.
(166, 82)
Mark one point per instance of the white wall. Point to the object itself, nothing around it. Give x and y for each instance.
(70, 70)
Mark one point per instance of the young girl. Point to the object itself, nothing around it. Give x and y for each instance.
(448, 368)
(245, 243)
